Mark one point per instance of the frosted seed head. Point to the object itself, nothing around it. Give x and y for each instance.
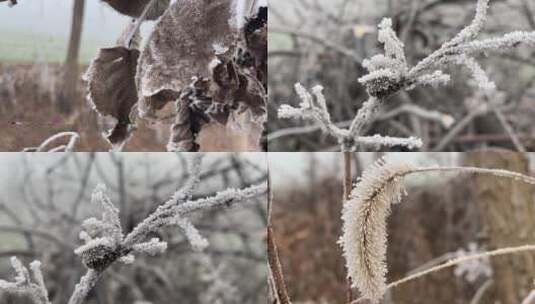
(364, 234)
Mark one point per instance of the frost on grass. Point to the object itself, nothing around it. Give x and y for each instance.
(389, 73)
(364, 216)
(364, 237)
(105, 242)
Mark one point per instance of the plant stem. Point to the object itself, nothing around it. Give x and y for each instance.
(275, 268)
(474, 170)
(138, 22)
(459, 260)
(348, 183)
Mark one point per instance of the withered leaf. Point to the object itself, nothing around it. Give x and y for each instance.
(182, 136)
(251, 95)
(236, 88)
(181, 47)
(112, 88)
(134, 8)
(255, 31)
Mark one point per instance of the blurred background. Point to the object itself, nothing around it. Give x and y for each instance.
(443, 216)
(45, 47)
(324, 42)
(44, 198)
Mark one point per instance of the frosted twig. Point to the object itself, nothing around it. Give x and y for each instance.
(73, 138)
(102, 252)
(105, 243)
(314, 107)
(378, 141)
(463, 259)
(138, 22)
(454, 262)
(32, 286)
(389, 73)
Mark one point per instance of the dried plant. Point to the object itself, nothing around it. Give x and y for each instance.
(204, 56)
(389, 73)
(364, 233)
(105, 242)
(68, 147)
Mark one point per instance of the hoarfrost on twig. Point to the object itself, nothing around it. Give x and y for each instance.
(33, 286)
(105, 243)
(389, 73)
(44, 146)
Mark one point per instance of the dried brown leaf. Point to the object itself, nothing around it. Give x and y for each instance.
(112, 88)
(255, 32)
(134, 8)
(181, 47)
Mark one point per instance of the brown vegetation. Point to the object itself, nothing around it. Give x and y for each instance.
(29, 113)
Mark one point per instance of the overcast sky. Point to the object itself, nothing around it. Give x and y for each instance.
(36, 30)
(53, 17)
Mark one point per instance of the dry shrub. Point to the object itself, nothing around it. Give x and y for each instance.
(28, 96)
(307, 226)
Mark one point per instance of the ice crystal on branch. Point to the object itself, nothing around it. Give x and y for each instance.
(314, 107)
(197, 241)
(105, 242)
(389, 73)
(152, 247)
(31, 285)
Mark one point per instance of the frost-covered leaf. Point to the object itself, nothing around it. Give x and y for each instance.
(182, 45)
(112, 89)
(189, 117)
(134, 8)
(255, 31)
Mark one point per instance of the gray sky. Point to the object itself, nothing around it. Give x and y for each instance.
(37, 30)
(52, 17)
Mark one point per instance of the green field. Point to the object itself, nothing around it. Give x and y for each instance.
(23, 47)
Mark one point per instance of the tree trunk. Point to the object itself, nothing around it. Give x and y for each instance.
(69, 91)
(508, 219)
